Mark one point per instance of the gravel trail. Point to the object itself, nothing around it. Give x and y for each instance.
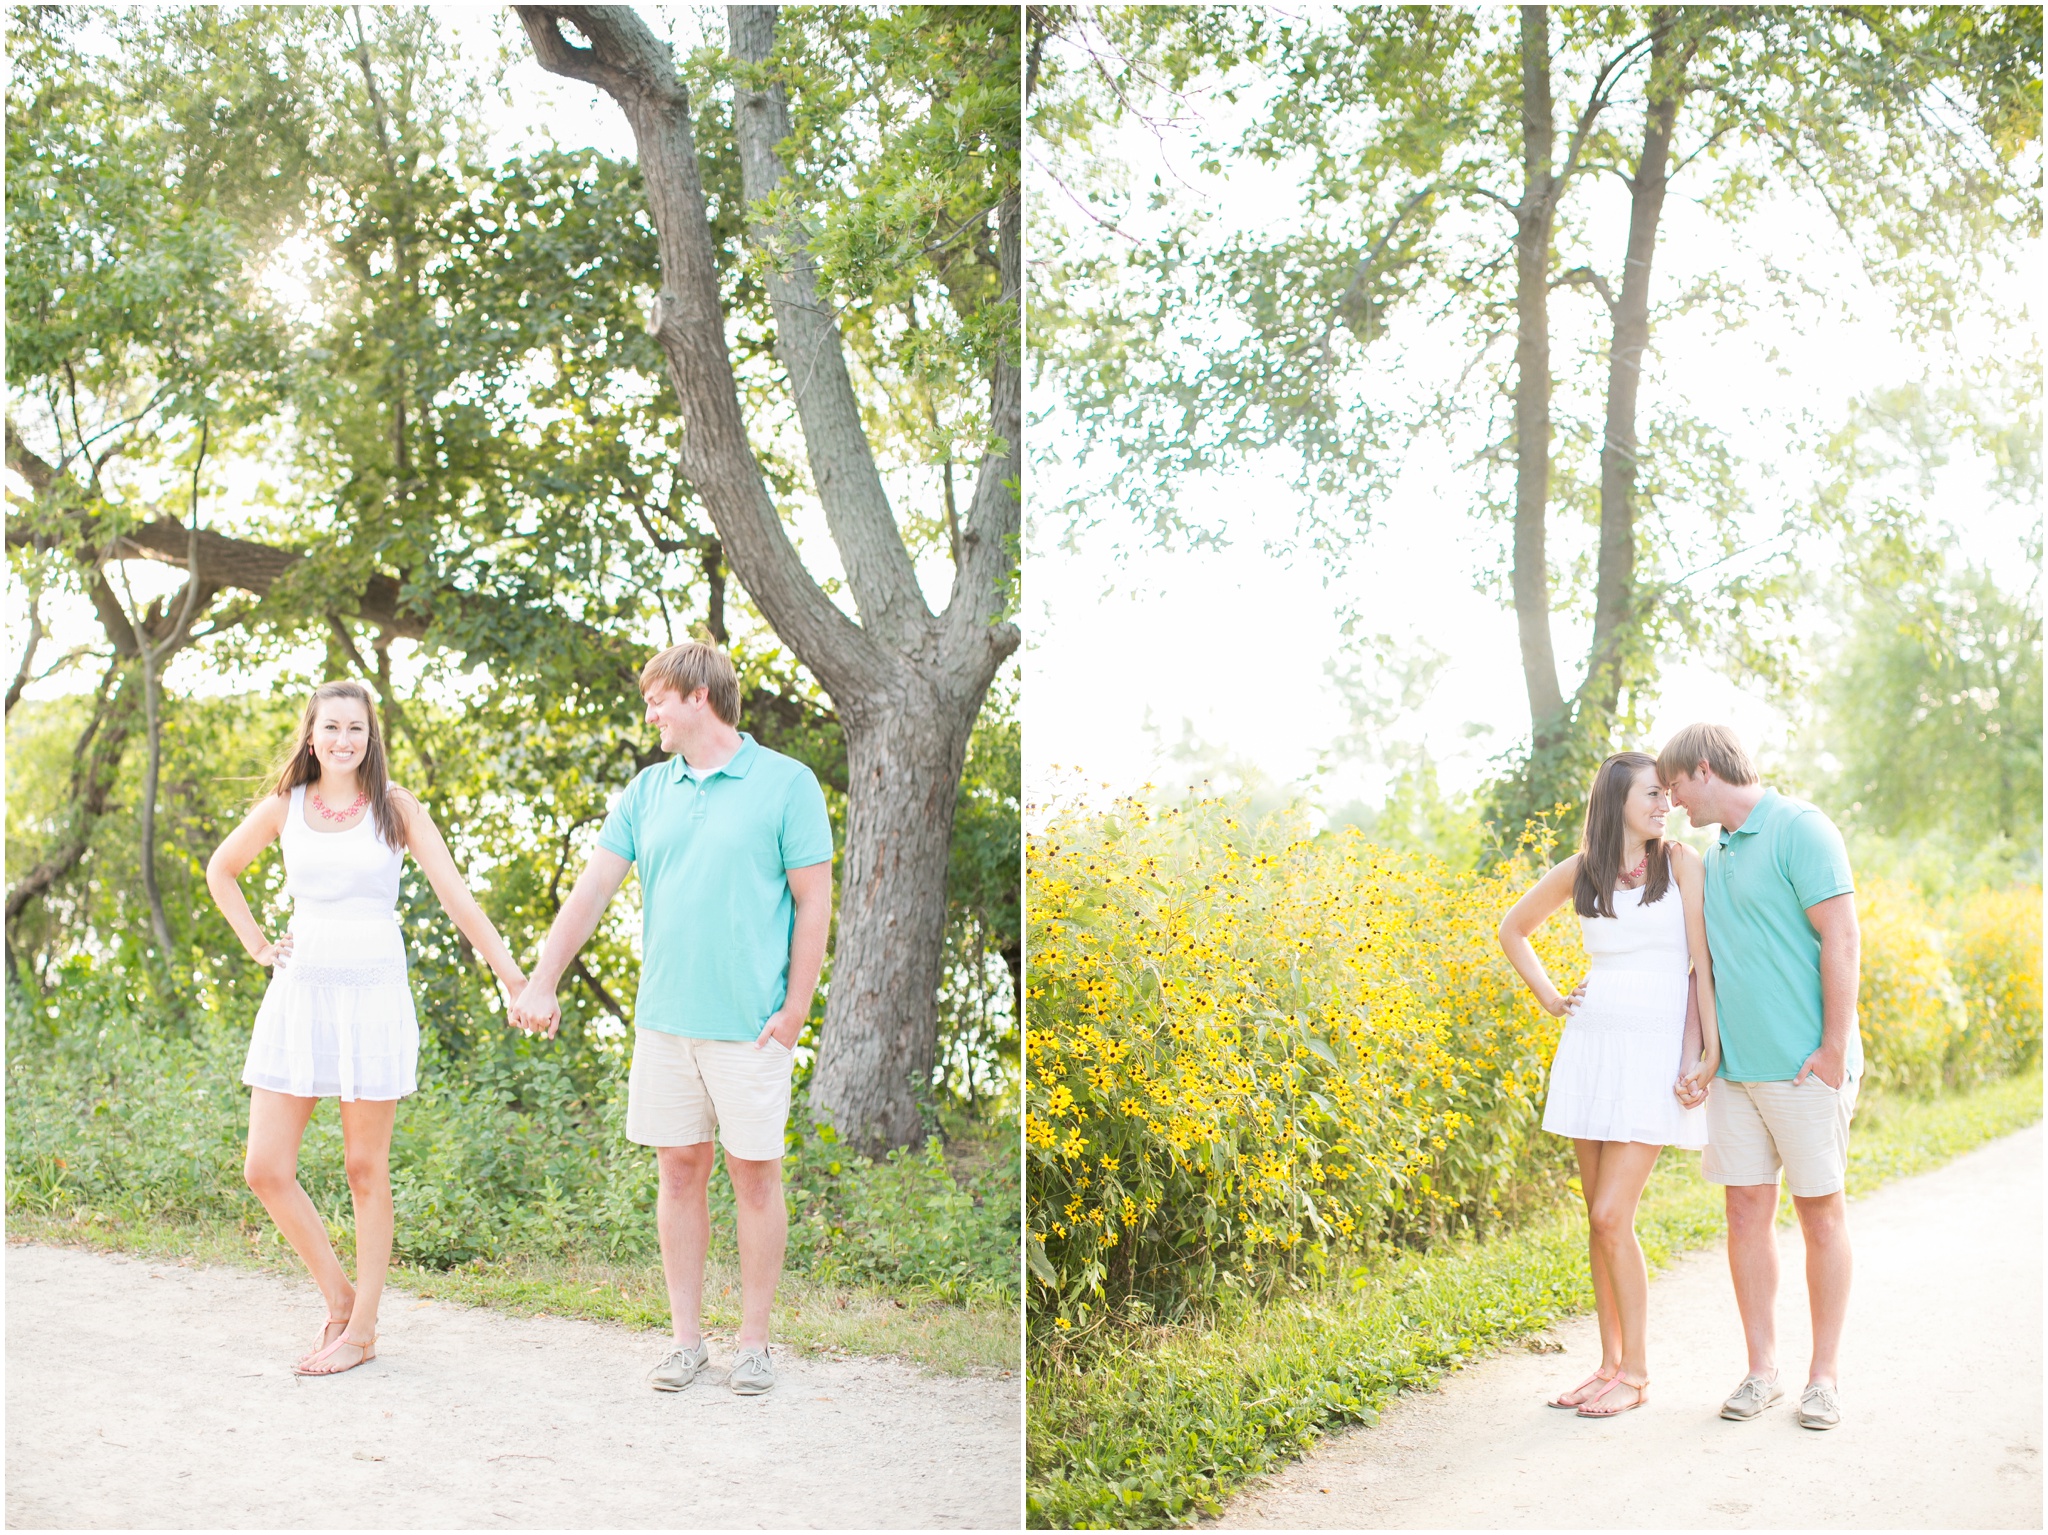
(157, 1396)
(1941, 1397)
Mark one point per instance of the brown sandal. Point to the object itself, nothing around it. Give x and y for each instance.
(1640, 1388)
(1577, 1395)
(312, 1366)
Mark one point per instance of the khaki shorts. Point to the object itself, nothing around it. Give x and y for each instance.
(1754, 1128)
(681, 1090)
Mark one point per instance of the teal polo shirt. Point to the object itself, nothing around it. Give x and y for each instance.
(1761, 877)
(716, 914)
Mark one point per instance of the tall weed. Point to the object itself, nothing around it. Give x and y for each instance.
(502, 1152)
(1255, 1051)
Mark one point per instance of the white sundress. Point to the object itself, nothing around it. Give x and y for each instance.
(337, 1020)
(1618, 1061)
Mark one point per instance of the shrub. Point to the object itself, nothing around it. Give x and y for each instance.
(1253, 1050)
(502, 1152)
(1251, 1047)
(1997, 963)
(1908, 1007)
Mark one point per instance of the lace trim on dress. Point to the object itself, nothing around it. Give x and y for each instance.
(390, 972)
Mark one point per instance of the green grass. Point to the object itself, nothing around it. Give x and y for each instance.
(513, 1183)
(1158, 1426)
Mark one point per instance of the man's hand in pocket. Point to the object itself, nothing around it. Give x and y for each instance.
(783, 1029)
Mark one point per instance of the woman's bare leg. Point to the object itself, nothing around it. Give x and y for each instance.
(366, 1136)
(1624, 1169)
(1603, 1283)
(277, 1124)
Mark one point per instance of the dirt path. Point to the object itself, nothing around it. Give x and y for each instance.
(149, 1395)
(1941, 1397)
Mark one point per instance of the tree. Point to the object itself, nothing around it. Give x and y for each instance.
(1433, 177)
(1931, 707)
(133, 323)
(905, 682)
(429, 494)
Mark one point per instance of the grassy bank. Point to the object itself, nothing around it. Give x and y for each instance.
(1157, 1426)
(513, 1182)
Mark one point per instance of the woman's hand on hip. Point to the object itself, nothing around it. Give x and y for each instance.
(274, 954)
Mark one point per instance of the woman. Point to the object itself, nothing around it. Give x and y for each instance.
(1627, 1080)
(337, 1020)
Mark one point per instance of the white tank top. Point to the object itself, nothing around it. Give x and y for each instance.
(1640, 937)
(349, 874)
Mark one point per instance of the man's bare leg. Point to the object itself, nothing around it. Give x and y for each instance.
(1753, 1266)
(763, 1221)
(682, 1217)
(1824, 1223)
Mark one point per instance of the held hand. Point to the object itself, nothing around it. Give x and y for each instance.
(1693, 1085)
(536, 1010)
(512, 986)
(276, 955)
(548, 1023)
(783, 1028)
(1829, 1066)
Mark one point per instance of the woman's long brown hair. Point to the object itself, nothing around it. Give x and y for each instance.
(1606, 833)
(299, 766)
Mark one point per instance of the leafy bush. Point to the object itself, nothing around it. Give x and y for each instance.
(1951, 994)
(1909, 1007)
(1997, 962)
(1254, 1050)
(504, 1150)
(1251, 1046)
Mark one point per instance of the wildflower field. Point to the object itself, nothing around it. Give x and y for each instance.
(1258, 1053)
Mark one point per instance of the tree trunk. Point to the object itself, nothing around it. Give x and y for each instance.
(875, 1065)
(1614, 594)
(152, 719)
(906, 684)
(1533, 219)
(95, 761)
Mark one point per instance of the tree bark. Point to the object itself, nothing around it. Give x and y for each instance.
(1533, 220)
(95, 760)
(1614, 612)
(907, 684)
(155, 652)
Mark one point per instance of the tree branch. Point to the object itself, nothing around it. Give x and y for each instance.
(638, 71)
(878, 566)
(1583, 276)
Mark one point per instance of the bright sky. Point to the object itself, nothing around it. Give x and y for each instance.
(1129, 646)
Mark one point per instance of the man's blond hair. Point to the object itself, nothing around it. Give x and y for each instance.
(693, 665)
(1715, 745)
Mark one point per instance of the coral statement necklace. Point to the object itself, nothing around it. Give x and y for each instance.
(320, 805)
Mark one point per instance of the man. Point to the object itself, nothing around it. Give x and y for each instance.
(1781, 921)
(735, 855)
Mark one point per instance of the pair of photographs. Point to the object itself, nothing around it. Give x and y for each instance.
(970, 652)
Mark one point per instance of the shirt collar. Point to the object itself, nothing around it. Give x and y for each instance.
(1754, 821)
(736, 766)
